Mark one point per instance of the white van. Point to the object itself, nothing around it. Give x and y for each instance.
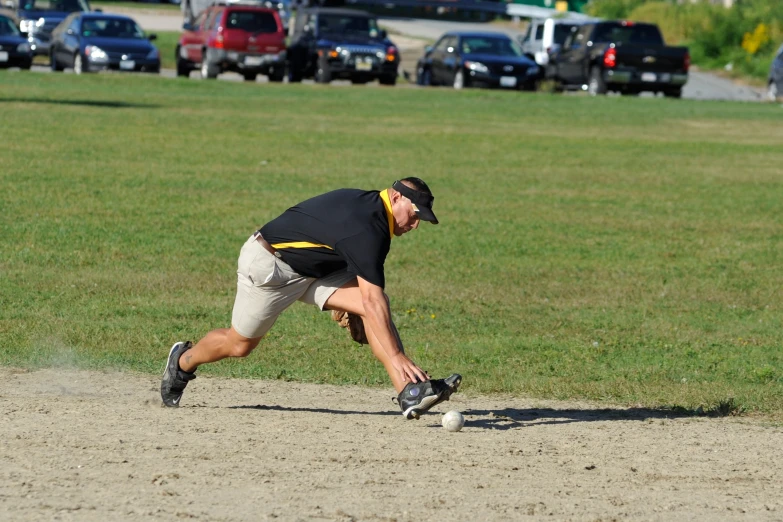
(545, 36)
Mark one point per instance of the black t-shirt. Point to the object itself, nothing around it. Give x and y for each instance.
(345, 228)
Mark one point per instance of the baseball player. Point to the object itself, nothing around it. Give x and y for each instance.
(328, 251)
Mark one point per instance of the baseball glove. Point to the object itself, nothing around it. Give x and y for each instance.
(354, 325)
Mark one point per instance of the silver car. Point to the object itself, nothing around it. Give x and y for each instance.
(775, 81)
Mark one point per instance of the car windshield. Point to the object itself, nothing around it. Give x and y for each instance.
(65, 6)
(497, 46)
(636, 33)
(111, 28)
(356, 25)
(252, 21)
(7, 27)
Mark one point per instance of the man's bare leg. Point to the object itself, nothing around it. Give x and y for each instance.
(216, 345)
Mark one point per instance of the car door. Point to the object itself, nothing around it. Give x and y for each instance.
(453, 60)
(571, 58)
(442, 52)
(777, 69)
(70, 42)
(191, 40)
(435, 58)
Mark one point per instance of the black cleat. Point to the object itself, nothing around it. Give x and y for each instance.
(416, 398)
(174, 379)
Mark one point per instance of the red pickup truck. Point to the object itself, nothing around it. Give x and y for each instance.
(242, 38)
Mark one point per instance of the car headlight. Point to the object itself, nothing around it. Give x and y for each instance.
(153, 54)
(26, 26)
(477, 67)
(532, 71)
(96, 54)
(23, 47)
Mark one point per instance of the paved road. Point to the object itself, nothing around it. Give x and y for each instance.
(700, 86)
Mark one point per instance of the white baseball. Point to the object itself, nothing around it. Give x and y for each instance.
(453, 421)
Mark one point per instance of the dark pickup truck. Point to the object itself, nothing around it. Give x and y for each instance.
(620, 56)
(331, 43)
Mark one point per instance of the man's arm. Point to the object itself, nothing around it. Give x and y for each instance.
(378, 317)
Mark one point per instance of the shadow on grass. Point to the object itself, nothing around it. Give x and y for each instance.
(85, 103)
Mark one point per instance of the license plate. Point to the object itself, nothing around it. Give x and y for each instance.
(665, 78)
(127, 65)
(508, 81)
(364, 66)
(649, 77)
(3, 56)
(253, 60)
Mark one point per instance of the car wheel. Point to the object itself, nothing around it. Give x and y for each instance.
(423, 77)
(208, 71)
(294, 76)
(249, 77)
(389, 79)
(459, 80)
(674, 93)
(25, 66)
(53, 63)
(183, 68)
(79, 67)
(597, 85)
(772, 91)
(323, 74)
(276, 74)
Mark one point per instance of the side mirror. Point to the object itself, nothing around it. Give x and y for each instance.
(99, 10)
(428, 49)
(187, 26)
(383, 34)
(151, 37)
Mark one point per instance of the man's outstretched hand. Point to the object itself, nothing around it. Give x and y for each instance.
(409, 371)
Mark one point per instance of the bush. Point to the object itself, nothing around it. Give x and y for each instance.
(611, 9)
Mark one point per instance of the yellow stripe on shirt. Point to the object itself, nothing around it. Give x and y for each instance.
(389, 214)
(300, 244)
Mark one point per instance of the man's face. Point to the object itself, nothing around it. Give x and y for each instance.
(405, 218)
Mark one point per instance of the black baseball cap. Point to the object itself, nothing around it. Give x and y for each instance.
(421, 197)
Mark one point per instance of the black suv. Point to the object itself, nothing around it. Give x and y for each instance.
(329, 44)
(38, 18)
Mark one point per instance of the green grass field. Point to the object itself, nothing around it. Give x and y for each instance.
(624, 250)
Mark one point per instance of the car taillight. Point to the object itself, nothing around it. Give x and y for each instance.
(687, 62)
(218, 43)
(610, 57)
(626, 23)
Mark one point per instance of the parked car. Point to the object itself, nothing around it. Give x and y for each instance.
(620, 56)
(38, 18)
(545, 36)
(14, 48)
(471, 59)
(242, 38)
(191, 9)
(91, 42)
(332, 43)
(775, 81)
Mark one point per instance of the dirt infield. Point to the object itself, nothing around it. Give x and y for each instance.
(77, 445)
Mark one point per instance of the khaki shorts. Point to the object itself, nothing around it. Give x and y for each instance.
(267, 285)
